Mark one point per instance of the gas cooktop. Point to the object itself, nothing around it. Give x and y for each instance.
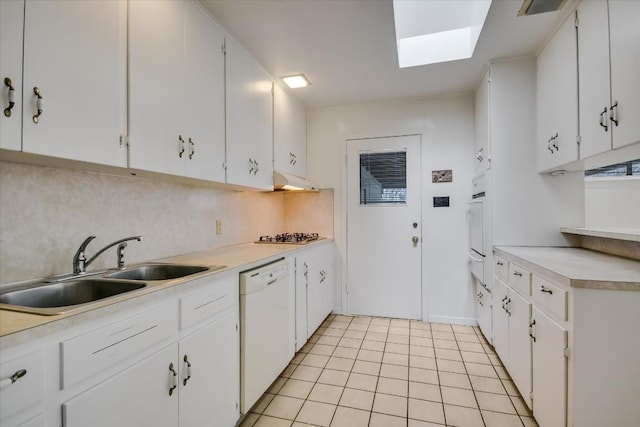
(290, 238)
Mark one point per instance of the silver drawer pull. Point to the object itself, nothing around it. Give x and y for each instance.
(500, 263)
(13, 378)
(517, 273)
(545, 290)
(186, 361)
(174, 382)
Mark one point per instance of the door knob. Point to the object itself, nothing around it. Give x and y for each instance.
(415, 240)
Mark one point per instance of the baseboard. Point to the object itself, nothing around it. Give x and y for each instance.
(467, 321)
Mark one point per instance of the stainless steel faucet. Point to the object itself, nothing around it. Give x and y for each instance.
(80, 262)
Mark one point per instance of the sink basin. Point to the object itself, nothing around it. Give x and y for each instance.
(158, 272)
(55, 298)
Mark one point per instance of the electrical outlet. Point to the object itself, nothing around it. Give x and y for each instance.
(218, 226)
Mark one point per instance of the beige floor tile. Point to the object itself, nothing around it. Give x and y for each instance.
(333, 332)
(397, 348)
(354, 334)
(339, 325)
(375, 336)
(445, 344)
(305, 348)
(286, 373)
(317, 360)
(400, 323)
(495, 419)
(361, 320)
(343, 317)
(458, 396)
(266, 421)
(369, 368)
(424, 410)
(321, 349)
(451, 366)
(424, 333)
(423, 351)
(521, 407)
(424, 391)
(495, 402)
(390, 405)
(249, 420)
(378, 329)
(316, 413)
(468, 356)
(452, 379)
(529, 422)
(459, 416)
(340, 363)
(383, 420)
(350, 417)
(362, 381)
(421, 341)
(488, 348)
(463, 329)
(298, 357)
(417, 423)
(276, 385)
(510, 387)
(443, 335)
(380, 321)
(373, 345)
(345, 352)
(296, 388)
(490, 385)
(470, 346)
(326, 393)
(473, 338)
(396, 359)
(362, 327)
(398, 339)
(370, 355)
(441, 327)
(399, 331)
(423, 375)
(350, 342)
(358, 399)
(481, 370)
(306, 373)
(328, 340)
(419, 324)
(393, 386)
(422, 362)
(495, 360)
(284, 407)
(262, 403)
(333, 377)
(313, 338)
(502, 373)
(394, 371)
(448, 354)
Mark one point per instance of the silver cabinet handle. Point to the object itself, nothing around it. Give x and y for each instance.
(545, 290)
(532, 324)
(192, 149)
(13, 378)
(613, 113)
(11, 96)
(174, 381)
(517, 273)
(180, 146)
(39, 105)
(500, 263)
(554, 140)
(603, 119)
(188, 377)
(252, 163)
(255, 172)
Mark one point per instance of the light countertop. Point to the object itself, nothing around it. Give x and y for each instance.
(629, 234)
(237, 257)
(576, 267)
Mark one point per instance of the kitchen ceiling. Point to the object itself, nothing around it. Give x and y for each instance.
(347, 48)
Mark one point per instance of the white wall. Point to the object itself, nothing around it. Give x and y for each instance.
(446, 125)
(612, 202)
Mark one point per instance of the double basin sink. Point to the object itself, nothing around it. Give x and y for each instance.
(71, 293)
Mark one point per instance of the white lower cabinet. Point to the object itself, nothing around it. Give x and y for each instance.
(549, 371)
(520, 344)
(483, 310)
(501, 320)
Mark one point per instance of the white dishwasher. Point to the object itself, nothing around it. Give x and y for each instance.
(264, 329)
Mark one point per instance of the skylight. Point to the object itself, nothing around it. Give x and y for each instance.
(428, 32)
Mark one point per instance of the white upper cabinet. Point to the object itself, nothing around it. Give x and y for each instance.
(11, 27)
(609, 63)
(75, 65)
(289, 133)
(557, 86)
(176, 90)
(481, 140)
(249, 120)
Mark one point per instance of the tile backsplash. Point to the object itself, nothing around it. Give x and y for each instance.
(45, 213)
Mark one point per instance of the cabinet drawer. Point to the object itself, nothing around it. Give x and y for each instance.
(26, 390)
(520, 279)
(88, 354)
(501, 268)
(550, 297)
(216, 298)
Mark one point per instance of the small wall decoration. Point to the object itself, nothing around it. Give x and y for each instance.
(442, 176)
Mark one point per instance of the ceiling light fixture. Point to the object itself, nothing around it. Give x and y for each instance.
(428, 32)
(296, 81)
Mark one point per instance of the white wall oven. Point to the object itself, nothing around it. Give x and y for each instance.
(477, 215)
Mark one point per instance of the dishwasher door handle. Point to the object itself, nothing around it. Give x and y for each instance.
(272, 282)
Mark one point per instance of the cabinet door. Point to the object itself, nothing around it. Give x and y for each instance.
(302, 270)
(594, 78)
(249, 120)
(11, 26)
(75, 56)
(210, 387)
(549, 371)
(289, 133)
(139, 396)
(316, 299)
(157, 136)
(501, 321)
(483, 310)
(557, 104)
(204, 86)
(520, 344)
(481, 139)
(624, 27)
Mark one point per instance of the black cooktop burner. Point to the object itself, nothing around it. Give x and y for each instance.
(291, 238)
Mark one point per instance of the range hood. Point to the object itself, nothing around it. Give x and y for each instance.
(533, 7)
(285, 182)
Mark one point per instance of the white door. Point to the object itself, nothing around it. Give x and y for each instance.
(383, 227)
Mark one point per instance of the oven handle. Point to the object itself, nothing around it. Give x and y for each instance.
(475, 201)
(474, 259)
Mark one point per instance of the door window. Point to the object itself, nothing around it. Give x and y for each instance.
(383, 178)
